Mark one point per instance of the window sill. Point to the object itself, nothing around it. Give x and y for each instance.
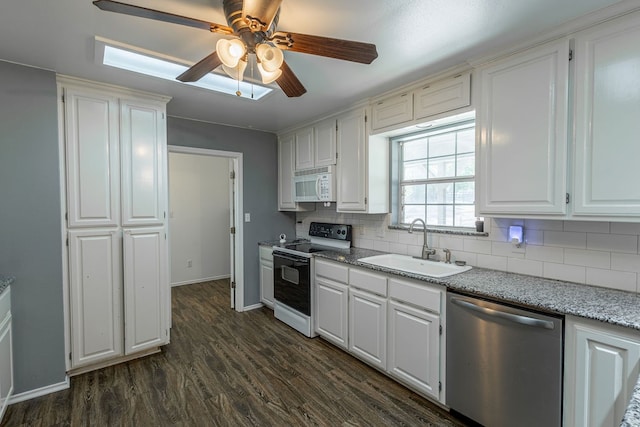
(444, 230)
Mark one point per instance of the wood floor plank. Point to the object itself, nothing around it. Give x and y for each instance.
(225, 368)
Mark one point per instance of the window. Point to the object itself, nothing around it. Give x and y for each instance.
(435, 175)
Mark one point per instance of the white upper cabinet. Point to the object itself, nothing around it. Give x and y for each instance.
(143, 147)
(428, 100)
(607, 120)
(392, 111)
(93, 159)
(522, 133)
(315, 146)
(286, 148)
(442, 96)
(363, 166)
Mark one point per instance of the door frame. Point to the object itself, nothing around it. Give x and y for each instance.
(237, 260)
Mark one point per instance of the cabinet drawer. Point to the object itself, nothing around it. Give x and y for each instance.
(5, 304)
(420, 295)
(368, 281)
(266, 253)
(332, 271)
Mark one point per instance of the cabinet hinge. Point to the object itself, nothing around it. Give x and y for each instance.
(365, 200)
(165, 236)
(365, 118)
(570, 54)
(62, 97)
(69, 355)
(440, 330)
(233, 285)
(164, 214)
(336, 155)
(233, 230)
(67, 242)
(232, 175)
(66, 216)
(439, 385)
(162, 116)
(566, 200)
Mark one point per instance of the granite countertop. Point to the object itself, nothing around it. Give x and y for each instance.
(607, 305)
(5, 282)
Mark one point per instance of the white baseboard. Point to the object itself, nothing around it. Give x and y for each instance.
(252, 307)
(204, 279)
(32, 394)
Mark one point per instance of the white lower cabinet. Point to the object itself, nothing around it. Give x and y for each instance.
(331, 311)
(391, 324)
(266, 275)
(601, 370)
(414, 348)
(368, 327)
(6, 351)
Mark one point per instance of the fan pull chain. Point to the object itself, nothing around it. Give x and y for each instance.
(252, 77)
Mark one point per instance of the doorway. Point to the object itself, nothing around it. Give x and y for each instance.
(228, 191)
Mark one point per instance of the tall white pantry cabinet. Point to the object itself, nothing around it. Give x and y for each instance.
(115, 165)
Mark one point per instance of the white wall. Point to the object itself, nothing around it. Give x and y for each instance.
(198, 218)
(596, 253)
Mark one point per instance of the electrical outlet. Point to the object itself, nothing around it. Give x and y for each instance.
(189, 263)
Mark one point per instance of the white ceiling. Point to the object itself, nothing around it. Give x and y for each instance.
(414, 38)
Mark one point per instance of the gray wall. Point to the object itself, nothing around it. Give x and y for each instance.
(260, 158)
(30, 227)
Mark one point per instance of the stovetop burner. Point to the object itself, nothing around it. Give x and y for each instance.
(324, 237)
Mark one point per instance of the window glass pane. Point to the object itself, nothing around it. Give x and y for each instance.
(440, 215)
(466, 165)
(442, 145)
(416, 169)
(465, 193)
(466, 141)
(442, 167)
(465, 216)
(412, 212)
(413, 150)
(413, 194)
(440, 193)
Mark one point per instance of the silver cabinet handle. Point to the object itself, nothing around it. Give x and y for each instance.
(515, 318)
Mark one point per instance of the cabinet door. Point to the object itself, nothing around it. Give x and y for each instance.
(6, 363)
(603, 370)
(95, 286)
(266, 276)
(607, 120)
(325, 143)
(143, 146)
(92, 158)
(145, 287)
(352, 162)
(285, 173)
(442, 96)
(331, 311)
(368, 327)
(392, 111)
(304, 149)
(522, 128)
(414, 348)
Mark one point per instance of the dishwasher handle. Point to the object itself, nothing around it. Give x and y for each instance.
(515, 318)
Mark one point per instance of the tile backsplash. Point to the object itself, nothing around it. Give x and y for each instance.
(595, 253)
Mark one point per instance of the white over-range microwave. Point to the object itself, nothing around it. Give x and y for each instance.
(314, 185)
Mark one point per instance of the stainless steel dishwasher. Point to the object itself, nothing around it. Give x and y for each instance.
(504, 364)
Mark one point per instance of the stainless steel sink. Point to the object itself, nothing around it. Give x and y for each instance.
(415, 265)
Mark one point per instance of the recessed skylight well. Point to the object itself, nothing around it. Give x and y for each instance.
(145, 62)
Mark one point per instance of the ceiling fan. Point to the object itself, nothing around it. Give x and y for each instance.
(254, 23)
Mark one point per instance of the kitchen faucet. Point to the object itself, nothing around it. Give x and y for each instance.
(426, 252)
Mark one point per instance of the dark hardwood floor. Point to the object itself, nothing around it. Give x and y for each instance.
(225, 368)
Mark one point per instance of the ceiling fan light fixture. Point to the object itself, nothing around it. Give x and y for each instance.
(270, 57)
(230, 52)
(237, 72)
(269, 76)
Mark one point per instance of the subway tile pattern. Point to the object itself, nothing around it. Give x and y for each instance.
(596, 253)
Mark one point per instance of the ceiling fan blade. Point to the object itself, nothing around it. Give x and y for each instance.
(260, 13)
(199, 70)
(289, 83)
(347, 50)
(143, 12)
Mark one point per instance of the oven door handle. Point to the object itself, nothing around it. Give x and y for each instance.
(290, 258)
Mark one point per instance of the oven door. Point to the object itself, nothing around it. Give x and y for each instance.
(292, 281)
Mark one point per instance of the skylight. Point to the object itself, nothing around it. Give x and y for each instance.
(161, 68)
